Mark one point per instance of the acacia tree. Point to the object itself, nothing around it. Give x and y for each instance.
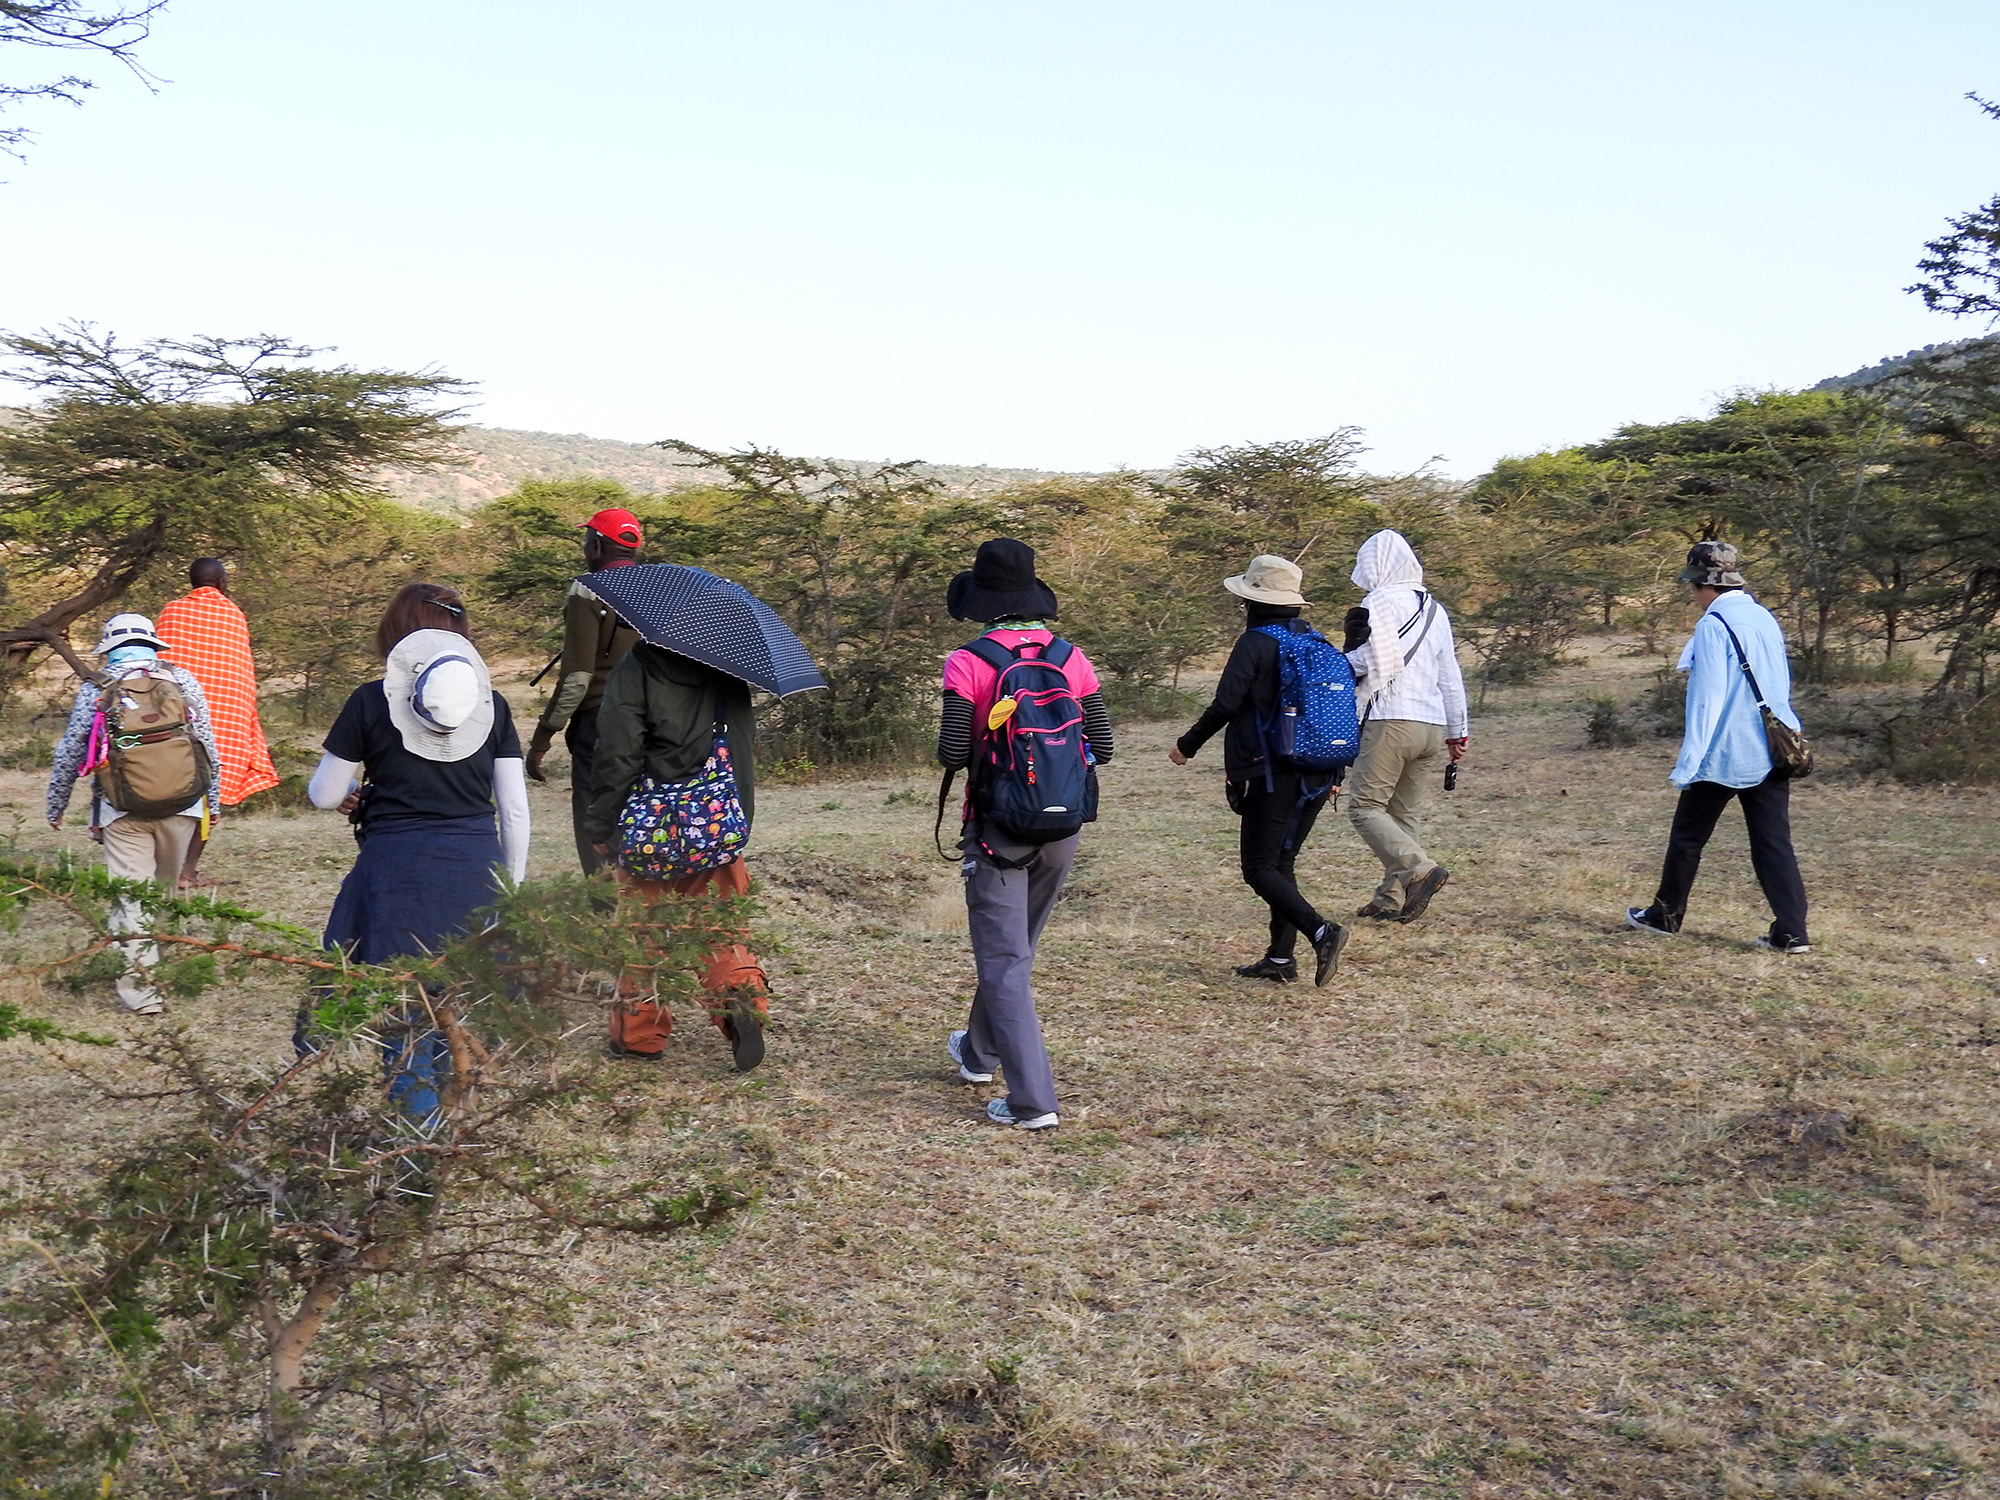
(69, 26)
(856, 559)
(257, 1213)
(1804, 475)
(142, 456)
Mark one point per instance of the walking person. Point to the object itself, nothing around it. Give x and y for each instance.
(1736, 654)
(442, 815)
(206, 633)
(674, 732)
(1414, 722)
(595, 639)
(1023, 711)
(142, 727)
(1277, 802)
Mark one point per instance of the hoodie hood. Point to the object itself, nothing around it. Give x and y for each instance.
(1386, 560)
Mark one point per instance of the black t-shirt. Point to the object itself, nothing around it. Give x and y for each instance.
(407, 785)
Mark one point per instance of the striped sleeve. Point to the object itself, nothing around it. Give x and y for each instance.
(954, 742)
(1097, 727)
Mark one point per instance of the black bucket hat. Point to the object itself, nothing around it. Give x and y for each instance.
(1001, 585)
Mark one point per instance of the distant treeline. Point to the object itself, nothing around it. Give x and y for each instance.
(1868, 516)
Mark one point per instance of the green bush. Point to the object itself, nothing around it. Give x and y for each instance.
(1606, 728)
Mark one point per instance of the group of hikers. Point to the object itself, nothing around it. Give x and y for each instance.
(661, 734)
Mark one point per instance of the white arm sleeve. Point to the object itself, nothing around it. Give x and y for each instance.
(510, 796)
(332, 779)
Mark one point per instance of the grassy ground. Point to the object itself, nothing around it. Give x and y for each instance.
(1524, 1205)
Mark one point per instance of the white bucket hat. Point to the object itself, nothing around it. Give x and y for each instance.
(127, 630)
(1269, 580)
(440, 694)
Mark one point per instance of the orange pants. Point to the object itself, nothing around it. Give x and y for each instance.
(639, 1023)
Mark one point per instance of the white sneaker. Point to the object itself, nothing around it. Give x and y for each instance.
(955, 1045)
(998, 1112)
(1784, 945)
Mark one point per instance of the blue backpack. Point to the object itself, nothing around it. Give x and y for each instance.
(1033, 778)
(1318, 727)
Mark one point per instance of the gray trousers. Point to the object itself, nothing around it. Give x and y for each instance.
(1006, 911)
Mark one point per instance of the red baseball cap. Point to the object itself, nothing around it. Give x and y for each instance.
(619, 526)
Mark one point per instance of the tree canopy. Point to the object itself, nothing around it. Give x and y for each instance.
(143, 456)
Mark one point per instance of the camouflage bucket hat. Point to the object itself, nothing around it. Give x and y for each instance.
(1712, 565)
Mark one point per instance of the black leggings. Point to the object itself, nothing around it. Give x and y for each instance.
(1767, 812)
(1267, 864)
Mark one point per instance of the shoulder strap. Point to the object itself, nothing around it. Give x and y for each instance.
(1429, 611)
(990, 651)
(1057, 652)
(1744, 660)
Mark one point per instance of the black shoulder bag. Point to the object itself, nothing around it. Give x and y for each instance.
(1791, 751)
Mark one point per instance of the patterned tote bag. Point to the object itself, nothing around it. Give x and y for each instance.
(672, 829)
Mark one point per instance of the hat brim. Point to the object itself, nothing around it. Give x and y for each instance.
(1243, 589)
(399, 676)
(966, 600)
(112, 643)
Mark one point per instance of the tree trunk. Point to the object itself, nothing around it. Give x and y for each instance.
(51, 626)
(286, 1343)
(1817, 666)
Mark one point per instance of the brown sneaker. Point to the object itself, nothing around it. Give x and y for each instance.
(1421, 890)
(1379, 910)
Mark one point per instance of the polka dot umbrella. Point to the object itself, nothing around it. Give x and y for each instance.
(694, 613)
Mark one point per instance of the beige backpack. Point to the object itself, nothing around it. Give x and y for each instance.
(153, 765)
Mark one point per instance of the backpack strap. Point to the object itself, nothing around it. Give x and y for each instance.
(990, 651)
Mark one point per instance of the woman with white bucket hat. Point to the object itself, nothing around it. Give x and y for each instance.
(444, 809)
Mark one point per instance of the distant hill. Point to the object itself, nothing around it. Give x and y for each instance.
(1894, 364)
(498, 459)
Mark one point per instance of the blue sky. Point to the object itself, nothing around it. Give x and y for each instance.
(1061, 235)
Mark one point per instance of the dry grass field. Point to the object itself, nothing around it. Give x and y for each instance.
(1524, 1205)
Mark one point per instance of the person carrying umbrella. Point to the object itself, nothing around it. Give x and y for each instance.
(674, 790)
(594, 641)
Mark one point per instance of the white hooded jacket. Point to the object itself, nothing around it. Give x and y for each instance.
(1409, 668)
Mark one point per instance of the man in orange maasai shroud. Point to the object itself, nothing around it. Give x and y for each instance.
(206, 633)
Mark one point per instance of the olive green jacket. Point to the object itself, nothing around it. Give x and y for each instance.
(658, 718)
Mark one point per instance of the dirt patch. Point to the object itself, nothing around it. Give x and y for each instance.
(876, 887)
(926, 1434)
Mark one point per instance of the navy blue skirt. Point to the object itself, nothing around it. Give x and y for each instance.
(415, 886)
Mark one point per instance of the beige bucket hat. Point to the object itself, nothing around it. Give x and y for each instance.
(1269, 580)
(440, 694)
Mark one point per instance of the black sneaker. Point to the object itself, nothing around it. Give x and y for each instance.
(613, 1049)
(1284, 971)
(1779, 942)
(1646, 919)
(1327, 950)
(1417, 899)
(744, 1026)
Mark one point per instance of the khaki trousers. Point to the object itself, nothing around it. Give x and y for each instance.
(144, 849)
(1388, 789)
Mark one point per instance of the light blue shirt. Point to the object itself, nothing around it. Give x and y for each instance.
(1724, 740)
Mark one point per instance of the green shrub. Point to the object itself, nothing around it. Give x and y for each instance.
(1606, 728)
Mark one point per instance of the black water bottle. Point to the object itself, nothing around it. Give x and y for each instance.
(1451, 776)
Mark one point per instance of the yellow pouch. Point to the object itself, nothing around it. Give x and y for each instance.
(1000, 713)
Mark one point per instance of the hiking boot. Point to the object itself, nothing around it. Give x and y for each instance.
(999, 1113)
(1779, 942)
(613, 1049)
(1646, 919)
(1283, 970)
(744, 1026)
(1327, 950)
(955, 1045)
(1379, 910)
(1417, 900)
